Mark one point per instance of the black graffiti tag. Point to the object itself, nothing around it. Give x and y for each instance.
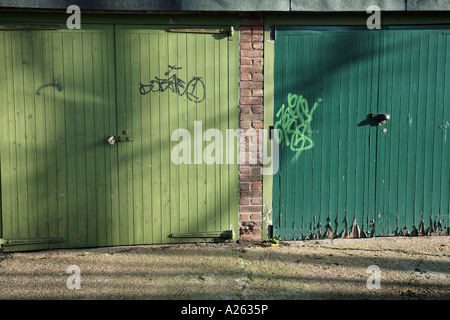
(194, 89)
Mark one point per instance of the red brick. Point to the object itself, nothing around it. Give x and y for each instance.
(249, 208)
(246, 61)
(245, 124)
(246, 93)
(251, 53)
(256, 45)
(257, 77)
(257, 170)
(251, 100)
(258, 29)
(251, 117)
(257, 37)
(251, 69)
(251, 85)
(250, 178)
(244, 201)
(245, 29)
(257, 61)
(256, 201)
(244, 216)
(246, 76)
(245, 37)
(246, 45)
(256, 93)
(257, 231)
(244, 170)
(257, 124)
(244, 186)
(252, 22)
(245, 109)
(256, 186)
(256, 217)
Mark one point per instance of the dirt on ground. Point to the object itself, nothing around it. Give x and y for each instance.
(375, 268)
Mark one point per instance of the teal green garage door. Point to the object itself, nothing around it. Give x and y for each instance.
(364, 119)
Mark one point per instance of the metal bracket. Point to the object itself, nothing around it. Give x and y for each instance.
(27, 27)
(228, 234)
(229, 30)
(7, 243)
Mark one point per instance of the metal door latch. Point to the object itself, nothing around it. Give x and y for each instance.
(113, 139)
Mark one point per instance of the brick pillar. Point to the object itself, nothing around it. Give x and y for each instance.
(251, 117)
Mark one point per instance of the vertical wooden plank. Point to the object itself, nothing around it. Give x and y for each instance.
(372, 145)
(155, 144)
(362, 128)
(343, 133)
(414, 125)
(445, 182)
(422, 117)
(135, 110)
(335, 128)
(317, 127)
(9, 224)
(192, 111)
(89, 131)
(295, 72)
(109, 65)
(184, 117)
(21, 220)
(283, 153)
(123, 72)
(437, 52)
(70, 133)
(217, 109)
(30, 145)
(145, 137)
(326, 132)
(98, 139)
(61, 160)
(10, 218)
(381, 175)
(223, 125)
(353, 113)
(5, 140)
(173, 124)
(164, 140)
(233, 116)
(126, 123)
(80, 139)
(308, 165)
(209, 124)
(404, 124)
(390, 139)
(394, 132)
(200, 71)
(430, 97)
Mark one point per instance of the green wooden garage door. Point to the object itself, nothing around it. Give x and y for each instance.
(338, 167)
(61, 181)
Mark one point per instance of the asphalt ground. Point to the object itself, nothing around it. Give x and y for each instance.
(391, 268)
